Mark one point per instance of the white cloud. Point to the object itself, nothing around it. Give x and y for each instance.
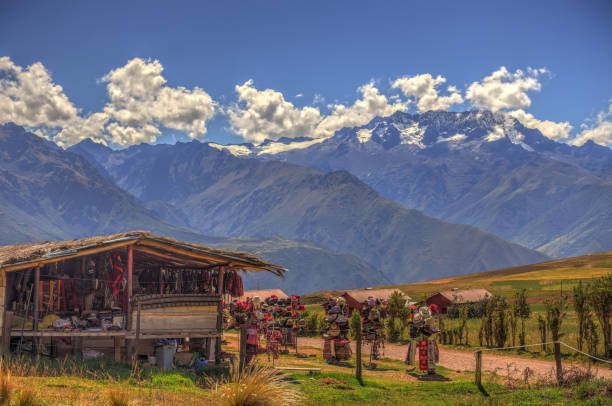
(496, 134)
(265, 114)
(318, 99)
(372, 104)
(505, 90)
(550, 129)
(140, 104)
(600, 132)
(29, 97)
(140, 100)
(297, 96)
(424, 89)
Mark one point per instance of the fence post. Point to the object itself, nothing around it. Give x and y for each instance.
(358, 354)
(558, 362)
(478, 372)
(242, 355)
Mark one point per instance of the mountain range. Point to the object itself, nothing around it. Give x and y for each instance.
(47, 193)
(478, 167)
(218, 193)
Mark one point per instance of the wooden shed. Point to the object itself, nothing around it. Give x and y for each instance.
(447, 298)
(118, 294)
(355, 298)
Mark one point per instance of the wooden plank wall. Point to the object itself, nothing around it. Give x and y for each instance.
(176, 319)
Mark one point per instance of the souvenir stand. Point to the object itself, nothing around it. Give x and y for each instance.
(423, 337)
(336, 345)
(373, 314)
(121, 295)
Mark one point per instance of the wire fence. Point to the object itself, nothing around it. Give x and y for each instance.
(557, 344)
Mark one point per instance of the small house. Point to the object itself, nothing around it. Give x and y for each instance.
(447, 298)
(117, 295)
(355, 298)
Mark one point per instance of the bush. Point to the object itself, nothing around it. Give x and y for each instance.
(255, 385)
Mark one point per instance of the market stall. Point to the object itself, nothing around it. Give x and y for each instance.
(117, 295)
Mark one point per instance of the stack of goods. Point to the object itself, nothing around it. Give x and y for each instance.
(337, 344)
(423, 333)
(284, 315)
(245, 314)
(373, 313)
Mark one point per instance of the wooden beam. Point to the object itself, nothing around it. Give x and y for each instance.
(168, 256)
(36, 304)
(209, 257)
(130, 264)
(84, 252)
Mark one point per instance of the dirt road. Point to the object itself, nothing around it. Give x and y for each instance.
(465, 360)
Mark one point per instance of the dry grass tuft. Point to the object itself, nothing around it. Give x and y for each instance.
(255, 385)
(27, 398)
(5, 387)
(118, 397)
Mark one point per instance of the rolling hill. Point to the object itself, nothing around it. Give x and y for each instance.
(541, 280)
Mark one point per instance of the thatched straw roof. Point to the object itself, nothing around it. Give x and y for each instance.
(20, 256)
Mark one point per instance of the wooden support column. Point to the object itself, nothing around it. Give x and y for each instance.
(130, 265)
(129, 344)
(242, 352)
(117, 348)
(219, 317)
(35, 340)
(478, 371)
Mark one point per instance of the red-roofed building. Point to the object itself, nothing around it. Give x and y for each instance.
(448, 298)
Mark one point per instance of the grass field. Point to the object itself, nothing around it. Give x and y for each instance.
(542, 281)
(390, 383)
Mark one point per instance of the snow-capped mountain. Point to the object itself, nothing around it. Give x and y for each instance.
(477, 167)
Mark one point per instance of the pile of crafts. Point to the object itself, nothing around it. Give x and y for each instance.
(277, 319)
(373, 315)
(423, 334)
(336, 341)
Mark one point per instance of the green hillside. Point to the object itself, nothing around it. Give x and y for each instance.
(541, 280)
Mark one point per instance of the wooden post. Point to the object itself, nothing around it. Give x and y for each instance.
(219, 331)
(36, 310)
(137, 343)
(358, 354)
(478, 372)
(117, 345)
(242, 355)
(130, 268)
(130, 271)
(220, 286)
(558, 363)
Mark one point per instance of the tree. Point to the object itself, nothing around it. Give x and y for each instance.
(555, 311)
(581, 307)
(463, 316)
(522, 310)
(600, 299)
(500, 322)
(542, 328)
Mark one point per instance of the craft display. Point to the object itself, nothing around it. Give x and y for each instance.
(90, 293)
(278, 320)
(336, 341)
(373, 314)
(423, 337)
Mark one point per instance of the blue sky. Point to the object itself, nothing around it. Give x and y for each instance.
(329, 48)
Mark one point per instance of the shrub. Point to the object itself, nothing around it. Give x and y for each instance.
(118, 397)
(5, 387)
(600, 299)
(255, 385)
(27, 398)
